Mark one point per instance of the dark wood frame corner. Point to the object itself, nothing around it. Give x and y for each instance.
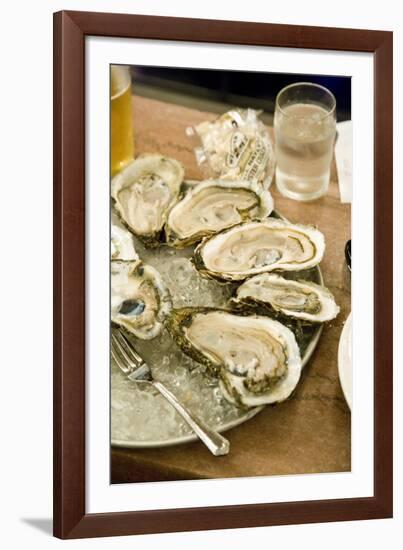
(70, 517)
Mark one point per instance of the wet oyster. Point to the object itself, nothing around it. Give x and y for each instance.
(144, 192)
(256, 358)
(256, 247)
(122, 246)
(214, 205)
(140, 301)
(298, 299)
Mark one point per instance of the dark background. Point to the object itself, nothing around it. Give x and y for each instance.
(217, 90)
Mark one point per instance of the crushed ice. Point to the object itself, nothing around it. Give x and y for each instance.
(139, 413)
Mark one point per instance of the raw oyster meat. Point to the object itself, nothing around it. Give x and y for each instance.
(214, 205)
(256, 359)
(122, 245)
(298, 299)
(140, 301)
(259, 246)
(143, 193)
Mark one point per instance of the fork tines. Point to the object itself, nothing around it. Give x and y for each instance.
(126, 357)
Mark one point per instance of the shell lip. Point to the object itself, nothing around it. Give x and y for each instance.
(329, 308)
(270, 221)
(263, 209)
(131, 173)
(164, 301)
(181, 318)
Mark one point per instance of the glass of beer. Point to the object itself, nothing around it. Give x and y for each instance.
(305, 129)
(122, 147)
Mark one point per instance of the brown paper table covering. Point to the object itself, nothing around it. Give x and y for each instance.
(309, 433)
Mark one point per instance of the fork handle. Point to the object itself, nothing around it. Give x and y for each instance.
(215, 442)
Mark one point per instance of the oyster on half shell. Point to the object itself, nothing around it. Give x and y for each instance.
(212, 206)
(143, 193)
(122, 245)
(140, 301)
(298, 299)
(259, 246)
(256, 359)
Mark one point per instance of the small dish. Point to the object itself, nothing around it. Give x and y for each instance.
(345, 361)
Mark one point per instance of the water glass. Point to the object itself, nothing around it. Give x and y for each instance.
(305, 129)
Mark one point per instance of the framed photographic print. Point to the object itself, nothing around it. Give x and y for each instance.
(211, 178)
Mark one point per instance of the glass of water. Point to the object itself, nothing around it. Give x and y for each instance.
(305, 129)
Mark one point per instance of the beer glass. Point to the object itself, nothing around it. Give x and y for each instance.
(122, 148)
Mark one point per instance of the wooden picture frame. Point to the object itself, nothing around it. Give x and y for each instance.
(70, 517)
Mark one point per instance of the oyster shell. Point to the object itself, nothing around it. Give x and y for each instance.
(256, 359)
(144, 191)
(214, 205)
(140, 301)
(298, 299)
(122, 245)
(256, 247)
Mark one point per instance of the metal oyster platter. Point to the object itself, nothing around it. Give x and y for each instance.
(140, 416)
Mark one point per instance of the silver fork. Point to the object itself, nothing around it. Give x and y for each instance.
(133, 366)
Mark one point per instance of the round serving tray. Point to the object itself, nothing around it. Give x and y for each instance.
(310, 343)
(223, 427)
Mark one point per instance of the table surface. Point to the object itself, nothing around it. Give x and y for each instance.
(309, 433)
